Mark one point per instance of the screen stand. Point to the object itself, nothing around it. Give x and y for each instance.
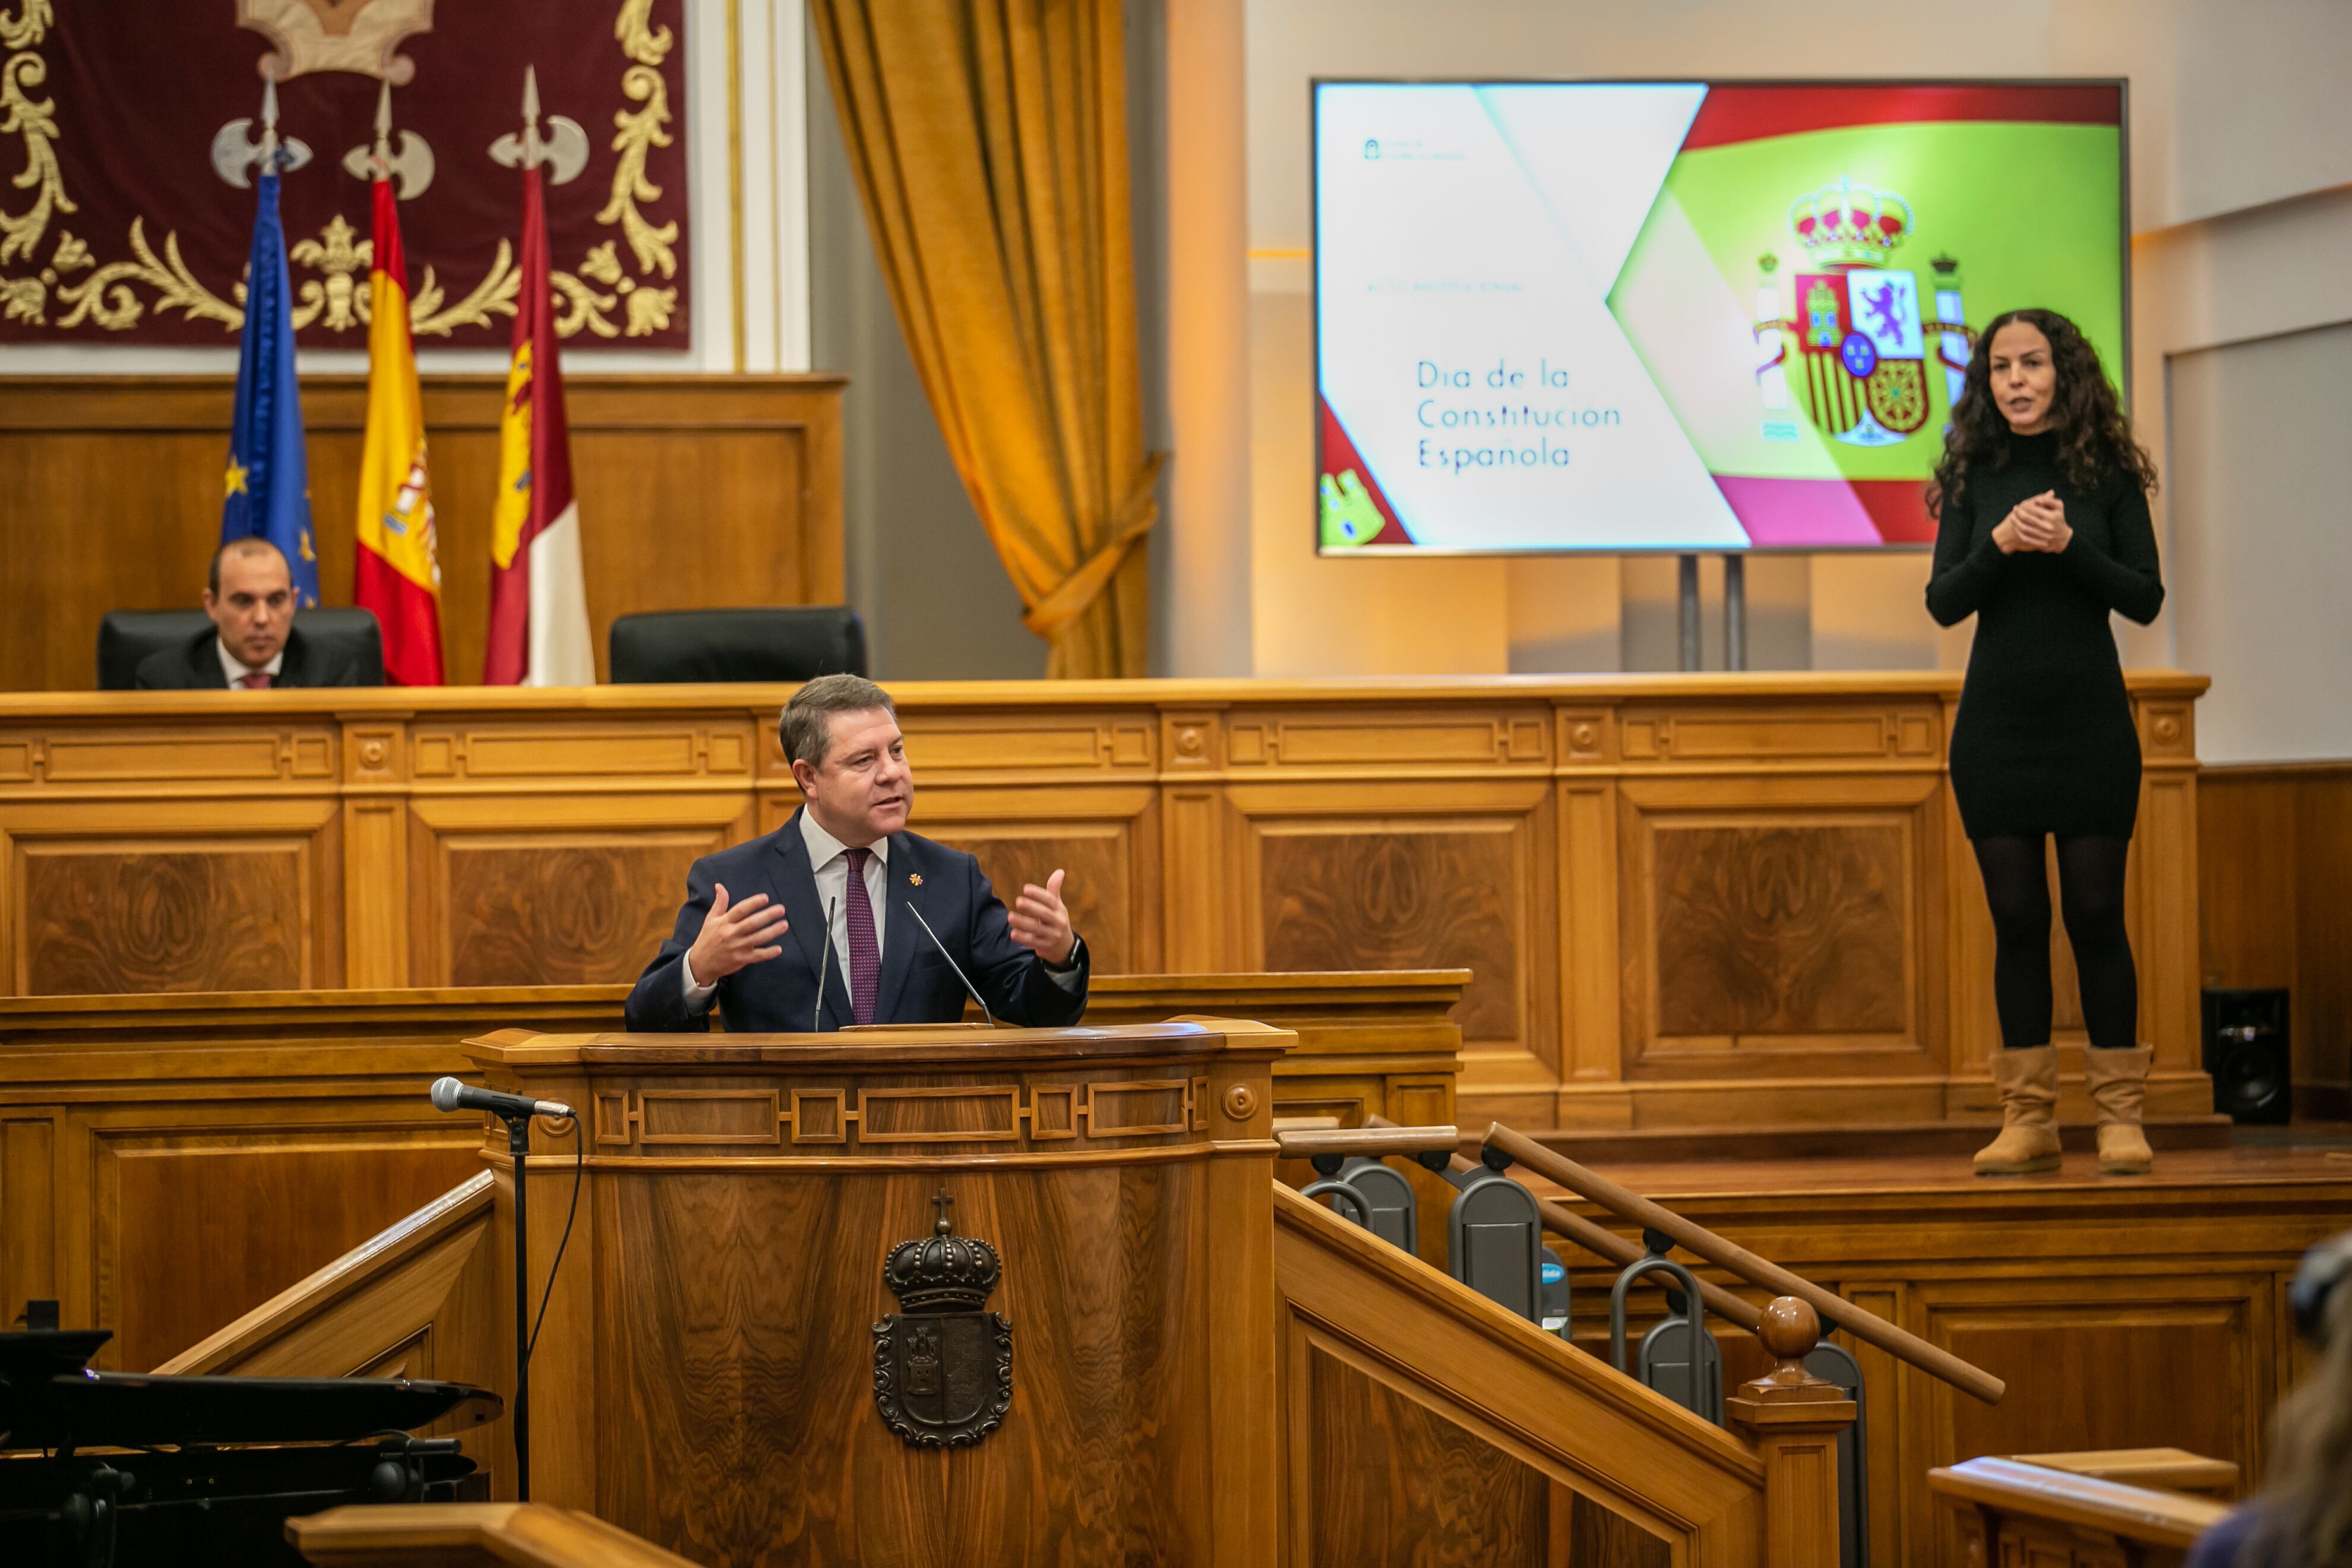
(1688, 612)
(1735, 611)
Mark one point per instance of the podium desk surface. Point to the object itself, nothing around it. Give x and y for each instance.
(945, 1046)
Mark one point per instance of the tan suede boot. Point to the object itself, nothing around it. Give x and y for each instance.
(2028, 1081)
(2118, 1084)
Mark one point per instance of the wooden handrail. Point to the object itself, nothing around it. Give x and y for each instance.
(2135, 1513)
(520, 1534)
(1762, 1271)
(1562, 1221)
(1305, 1142)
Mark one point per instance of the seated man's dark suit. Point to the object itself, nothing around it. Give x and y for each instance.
(916, 987)
(197, 666)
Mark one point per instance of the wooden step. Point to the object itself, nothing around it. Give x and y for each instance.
(1868, 1141)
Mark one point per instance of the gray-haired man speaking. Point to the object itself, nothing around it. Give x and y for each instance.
(831, 919)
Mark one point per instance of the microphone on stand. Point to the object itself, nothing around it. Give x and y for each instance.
(959, 975)
(453, 1094)
(824, 960)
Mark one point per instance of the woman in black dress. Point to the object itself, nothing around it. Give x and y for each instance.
(2042, 529)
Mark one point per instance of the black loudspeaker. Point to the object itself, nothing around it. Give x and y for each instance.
(2246, 1055)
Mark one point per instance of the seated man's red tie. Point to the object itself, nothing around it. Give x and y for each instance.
(254, 680)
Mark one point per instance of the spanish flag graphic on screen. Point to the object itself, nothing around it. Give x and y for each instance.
(1625, 316)
(399, 574)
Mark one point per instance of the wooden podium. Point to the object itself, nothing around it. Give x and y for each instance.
(707, 1374)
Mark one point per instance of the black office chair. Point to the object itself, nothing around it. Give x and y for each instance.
(125, 637)
(669, 646)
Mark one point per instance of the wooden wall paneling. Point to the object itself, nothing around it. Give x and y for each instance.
(179, 1242)
(2183, 1361)
(28, 1234)
(1416, 874)
(2274, 855)
(2323, 1018)
(2163, 899)
(1591, 1048)
(1885, 1462)
(555, 890)
(1106, 841)
(1335, 767)
(1201, 858)
(1789, 934)
(182, 893)
(693, 490)
(2248, 858)
(1445, 1382)
(1396, 1482)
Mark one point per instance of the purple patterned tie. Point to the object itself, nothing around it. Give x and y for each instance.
(865, 955)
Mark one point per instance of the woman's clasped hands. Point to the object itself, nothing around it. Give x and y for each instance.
(2037, 522)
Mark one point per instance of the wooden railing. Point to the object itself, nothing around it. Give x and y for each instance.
(1420, 1421)
(1628, 1204)
(2022, 1512)
(464, 1534)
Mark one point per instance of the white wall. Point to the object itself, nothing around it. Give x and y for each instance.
(747, 208)
(2242, 127)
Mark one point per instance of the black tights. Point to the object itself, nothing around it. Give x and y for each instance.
(2091, 893)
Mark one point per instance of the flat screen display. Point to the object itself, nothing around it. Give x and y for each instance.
(1685, 316)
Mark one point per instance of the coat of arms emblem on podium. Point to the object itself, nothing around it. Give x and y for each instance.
(942, 1367)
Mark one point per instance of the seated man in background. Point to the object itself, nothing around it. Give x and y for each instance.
(843, 917)
(253, 644)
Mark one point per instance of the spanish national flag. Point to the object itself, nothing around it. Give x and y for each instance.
(399, 576)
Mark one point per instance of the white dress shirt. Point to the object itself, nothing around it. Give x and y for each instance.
(829, 859)
(237, 669)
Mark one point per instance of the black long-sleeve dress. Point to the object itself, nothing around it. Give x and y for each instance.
(2045, 742)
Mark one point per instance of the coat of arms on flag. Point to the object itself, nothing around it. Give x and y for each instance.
(1857, 322)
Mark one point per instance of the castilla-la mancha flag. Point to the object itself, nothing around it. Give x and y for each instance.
(399, 576)
(538, 596)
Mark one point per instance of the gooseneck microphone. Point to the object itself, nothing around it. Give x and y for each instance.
(959, 975)
(453, 1094)
(816, 1018)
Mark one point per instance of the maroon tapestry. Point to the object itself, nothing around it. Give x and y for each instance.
(117, 227)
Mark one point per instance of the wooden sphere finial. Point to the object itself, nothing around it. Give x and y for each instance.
(1791, 1328)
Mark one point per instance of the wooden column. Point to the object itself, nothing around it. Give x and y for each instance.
(1796, 1420)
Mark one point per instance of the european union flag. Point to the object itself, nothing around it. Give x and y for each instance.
(267, 491)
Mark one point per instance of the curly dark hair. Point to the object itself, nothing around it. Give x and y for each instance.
(2095, 440)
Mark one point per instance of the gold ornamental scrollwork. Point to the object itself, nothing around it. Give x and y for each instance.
(105, 297)
(37, 122)
(640, 40)
(640, 133)
(334, 301)
(24, 29)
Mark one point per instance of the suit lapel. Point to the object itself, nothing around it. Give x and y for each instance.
(294, 668)
(805, 912)
(204, 668)
(902, 939)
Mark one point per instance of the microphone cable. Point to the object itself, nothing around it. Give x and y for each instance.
(579, 1168)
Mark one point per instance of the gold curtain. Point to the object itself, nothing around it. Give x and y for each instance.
(988, 142)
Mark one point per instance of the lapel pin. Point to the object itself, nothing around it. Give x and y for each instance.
(914, 879)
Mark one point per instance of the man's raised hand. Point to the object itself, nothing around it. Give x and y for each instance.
(1040, 922)
(735, 935)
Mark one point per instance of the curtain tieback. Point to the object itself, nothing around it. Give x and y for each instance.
(1074, 593)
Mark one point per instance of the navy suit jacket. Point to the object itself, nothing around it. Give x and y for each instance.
(780, 995)
(196, 666)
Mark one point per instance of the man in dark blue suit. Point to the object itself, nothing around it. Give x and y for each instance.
(841, 916)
